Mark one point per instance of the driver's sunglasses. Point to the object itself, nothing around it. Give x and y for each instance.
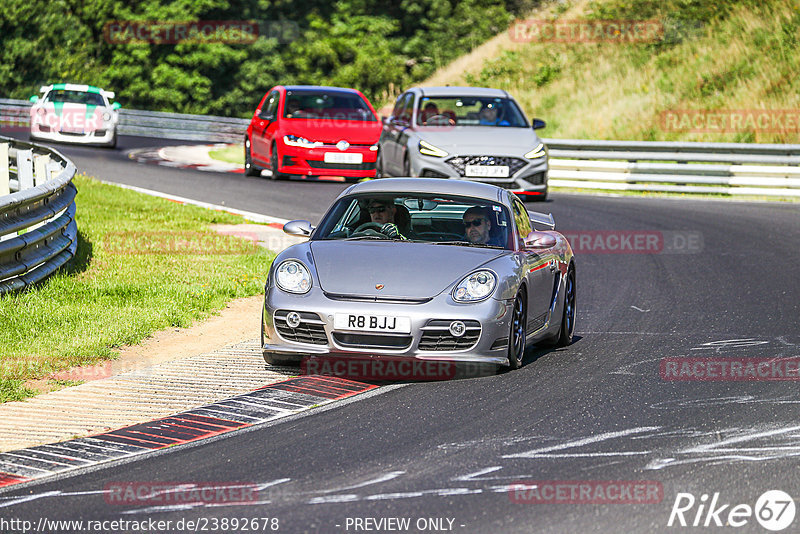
(476, 222)
(376, 209)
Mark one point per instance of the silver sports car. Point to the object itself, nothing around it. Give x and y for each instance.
(471, 133)
(421, 269)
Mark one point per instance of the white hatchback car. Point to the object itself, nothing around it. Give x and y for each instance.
(72, 113)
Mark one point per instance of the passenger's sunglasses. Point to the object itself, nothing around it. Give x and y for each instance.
(377, 209)
(476, 222)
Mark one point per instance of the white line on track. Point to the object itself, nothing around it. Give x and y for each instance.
(249, 215)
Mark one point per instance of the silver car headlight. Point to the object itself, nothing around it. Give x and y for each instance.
(427, 149)
(106, 116)
(293, 277)
(296, 140)
(536, 153)
(476, 286)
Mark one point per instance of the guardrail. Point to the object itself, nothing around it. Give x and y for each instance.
(15, 114)
(38, 233)
(727, 168)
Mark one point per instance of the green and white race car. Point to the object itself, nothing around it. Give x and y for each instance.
(73, 113)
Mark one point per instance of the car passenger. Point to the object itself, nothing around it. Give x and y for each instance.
(478, 227)
(490, 116)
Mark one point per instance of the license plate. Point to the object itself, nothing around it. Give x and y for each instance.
(72, 130)
(371, 323)
(343, 157)
(487, 171)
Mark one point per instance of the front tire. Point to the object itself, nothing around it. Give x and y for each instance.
(273, 161)
(379, 172)
(567, 330)
(516, 335)
(249, 167)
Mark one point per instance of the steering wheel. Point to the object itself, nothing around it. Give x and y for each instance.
(368, 228)
(439, 120)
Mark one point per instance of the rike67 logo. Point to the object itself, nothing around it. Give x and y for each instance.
(774, 510)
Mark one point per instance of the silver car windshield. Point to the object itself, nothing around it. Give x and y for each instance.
(436, 219)
(469, 111)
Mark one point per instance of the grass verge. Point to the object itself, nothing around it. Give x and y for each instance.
(112, 294)
(229, 154)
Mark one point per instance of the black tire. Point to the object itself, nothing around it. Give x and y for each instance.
(379, 172)
(568, 318)
(516, 332)
(273, 163)
(249, 167)
(406, 166)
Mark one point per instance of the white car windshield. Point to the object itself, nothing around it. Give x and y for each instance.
(426, 218)
(75, 97)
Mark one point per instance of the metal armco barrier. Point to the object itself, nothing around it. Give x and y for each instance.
(15, 115)
(38, 233)
(681, 167)
(182, 126)
(728, 168)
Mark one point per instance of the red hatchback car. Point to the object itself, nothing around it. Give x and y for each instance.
(312, 131)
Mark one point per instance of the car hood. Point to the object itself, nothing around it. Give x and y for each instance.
(406, 270)
(333, 131)
(481, 139)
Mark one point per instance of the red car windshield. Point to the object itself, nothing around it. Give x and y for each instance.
(337, 105)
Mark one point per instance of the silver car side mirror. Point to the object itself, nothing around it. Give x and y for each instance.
(539, 240)
(301, 228)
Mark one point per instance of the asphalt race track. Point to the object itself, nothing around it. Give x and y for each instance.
(721, 281)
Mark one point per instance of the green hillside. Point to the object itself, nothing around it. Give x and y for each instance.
(727, 67)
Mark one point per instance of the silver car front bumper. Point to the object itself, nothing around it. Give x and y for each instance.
(429, 338)
(532, 176)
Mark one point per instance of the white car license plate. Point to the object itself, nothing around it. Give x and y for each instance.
(372, 323)
(343, 157)
(487, 171)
